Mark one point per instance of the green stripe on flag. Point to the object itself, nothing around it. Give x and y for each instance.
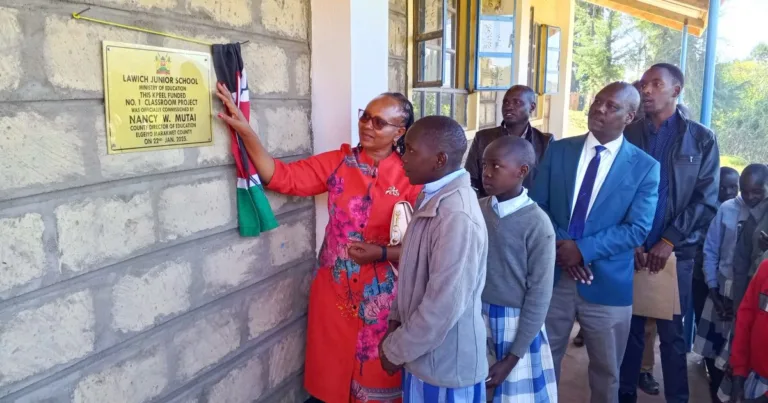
(254, 212)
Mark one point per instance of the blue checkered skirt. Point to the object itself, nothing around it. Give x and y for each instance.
(754, 387)
(417, 391)
(533, 378)
(711, 332)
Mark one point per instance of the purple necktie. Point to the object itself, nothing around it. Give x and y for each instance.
(579, 216)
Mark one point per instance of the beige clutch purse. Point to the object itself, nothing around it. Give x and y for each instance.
(401, 217)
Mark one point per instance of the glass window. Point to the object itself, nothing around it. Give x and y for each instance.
(495, 44)
(552, 83)
(436, 41)
(431, 67)
(446, 104)
(460, 109)
(436, 45)
(430, 15)
(430, 104)
(417, 98)
(487, 111)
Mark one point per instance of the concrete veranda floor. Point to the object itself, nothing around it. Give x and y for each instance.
(574, 386)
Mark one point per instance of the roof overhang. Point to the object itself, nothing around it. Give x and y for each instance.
(669, 13)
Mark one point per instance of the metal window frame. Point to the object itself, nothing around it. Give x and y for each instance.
(478, 54)
(442, 33)
(441, 93)
(543, 59)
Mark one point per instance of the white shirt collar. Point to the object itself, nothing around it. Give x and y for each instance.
(508, 207)
(431, 189)
(611, 146)
(434, 187)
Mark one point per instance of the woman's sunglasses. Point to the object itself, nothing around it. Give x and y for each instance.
(377, 122)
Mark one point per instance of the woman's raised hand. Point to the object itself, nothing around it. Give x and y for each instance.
(234, 117)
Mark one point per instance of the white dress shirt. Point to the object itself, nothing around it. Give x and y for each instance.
(606, 160)
(431, 189)
(508, 207)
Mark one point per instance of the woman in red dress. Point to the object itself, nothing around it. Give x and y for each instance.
(355, 284)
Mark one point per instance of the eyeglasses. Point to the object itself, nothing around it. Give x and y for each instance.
(377, 122)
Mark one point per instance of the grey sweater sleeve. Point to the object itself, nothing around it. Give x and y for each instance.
(540, 245)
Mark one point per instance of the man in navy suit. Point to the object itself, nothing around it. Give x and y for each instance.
(600, 192)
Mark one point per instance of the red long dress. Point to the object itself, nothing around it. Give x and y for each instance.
(349, 303)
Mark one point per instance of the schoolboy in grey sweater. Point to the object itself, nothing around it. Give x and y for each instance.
(520, 275)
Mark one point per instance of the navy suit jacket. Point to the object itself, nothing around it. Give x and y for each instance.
(618, 222)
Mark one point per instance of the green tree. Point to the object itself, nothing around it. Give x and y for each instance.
(760, 52)
(596, 30)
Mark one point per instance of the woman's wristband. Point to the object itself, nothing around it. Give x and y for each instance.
(383, 253)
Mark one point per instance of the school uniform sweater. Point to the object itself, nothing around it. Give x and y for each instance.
(521, 266)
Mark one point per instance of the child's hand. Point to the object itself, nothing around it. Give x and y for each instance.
(388, 366)
(724, 313)
(364, 253)
(762, 243)
(500, 371)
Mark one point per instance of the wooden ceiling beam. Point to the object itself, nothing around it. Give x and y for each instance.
(657, 15)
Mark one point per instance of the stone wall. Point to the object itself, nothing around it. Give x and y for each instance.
(398, 45)
(123, 277)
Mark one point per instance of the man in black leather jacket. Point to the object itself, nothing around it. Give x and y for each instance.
(518, 105)
(690, 172)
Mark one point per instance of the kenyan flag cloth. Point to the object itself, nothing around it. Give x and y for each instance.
(254, 213)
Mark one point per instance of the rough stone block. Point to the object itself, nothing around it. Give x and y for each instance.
(96, 230)
(398, 6)
(279, 202)
(136, 380)
(72, 51)
(180, 44)
(10, 43)
(234, 265)
(286, 357)
(230, 12)
(267, 68)
(133, 164)
(243, 384)
(39, 150)
(38, 339)
(276, 303)
(221, 151)
(292, 394)
(302, 74)
(397, 76)
(139, 301)
(290, 242)
(22, 254)
(187, 209)
(398, 35)
(288, 18)
(206, 342)
(140, 4)
(287, 130)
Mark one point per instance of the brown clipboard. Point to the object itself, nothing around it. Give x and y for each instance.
(657, 295)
